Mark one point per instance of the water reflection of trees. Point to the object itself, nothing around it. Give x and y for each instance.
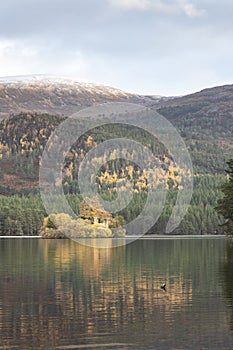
(52, 291)
(227, 272)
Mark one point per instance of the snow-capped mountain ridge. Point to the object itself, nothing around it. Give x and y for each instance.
(58, 95)
(54, 81)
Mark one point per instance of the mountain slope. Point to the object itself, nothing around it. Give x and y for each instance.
(57, 96)
(205, 121)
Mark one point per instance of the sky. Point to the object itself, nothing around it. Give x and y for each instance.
(157, 47)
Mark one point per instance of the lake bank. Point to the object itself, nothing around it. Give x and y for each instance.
(37, 237)
(135, 237)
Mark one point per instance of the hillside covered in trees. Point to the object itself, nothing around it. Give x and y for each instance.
(204, 120)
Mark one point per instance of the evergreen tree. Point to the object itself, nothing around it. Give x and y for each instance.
(225, 205)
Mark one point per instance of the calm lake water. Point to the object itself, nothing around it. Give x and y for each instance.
(62, 295)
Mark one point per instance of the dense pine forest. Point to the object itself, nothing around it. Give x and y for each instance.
(23, 139)
(225, 204)
(23, 214)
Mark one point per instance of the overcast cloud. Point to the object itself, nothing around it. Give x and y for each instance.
(167, 47)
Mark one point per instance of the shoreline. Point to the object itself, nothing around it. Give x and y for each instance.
(21, 237)
(131, 237)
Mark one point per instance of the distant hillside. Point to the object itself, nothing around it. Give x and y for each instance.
(205, 121)
(58, 96)
(23, 138)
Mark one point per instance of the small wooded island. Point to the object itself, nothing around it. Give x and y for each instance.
(91, 223)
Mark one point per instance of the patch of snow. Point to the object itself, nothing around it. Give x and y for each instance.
(50, 81)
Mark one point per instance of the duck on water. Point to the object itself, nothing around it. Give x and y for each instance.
(163, 286)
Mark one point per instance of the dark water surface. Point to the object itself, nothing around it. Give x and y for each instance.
(62, 295)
